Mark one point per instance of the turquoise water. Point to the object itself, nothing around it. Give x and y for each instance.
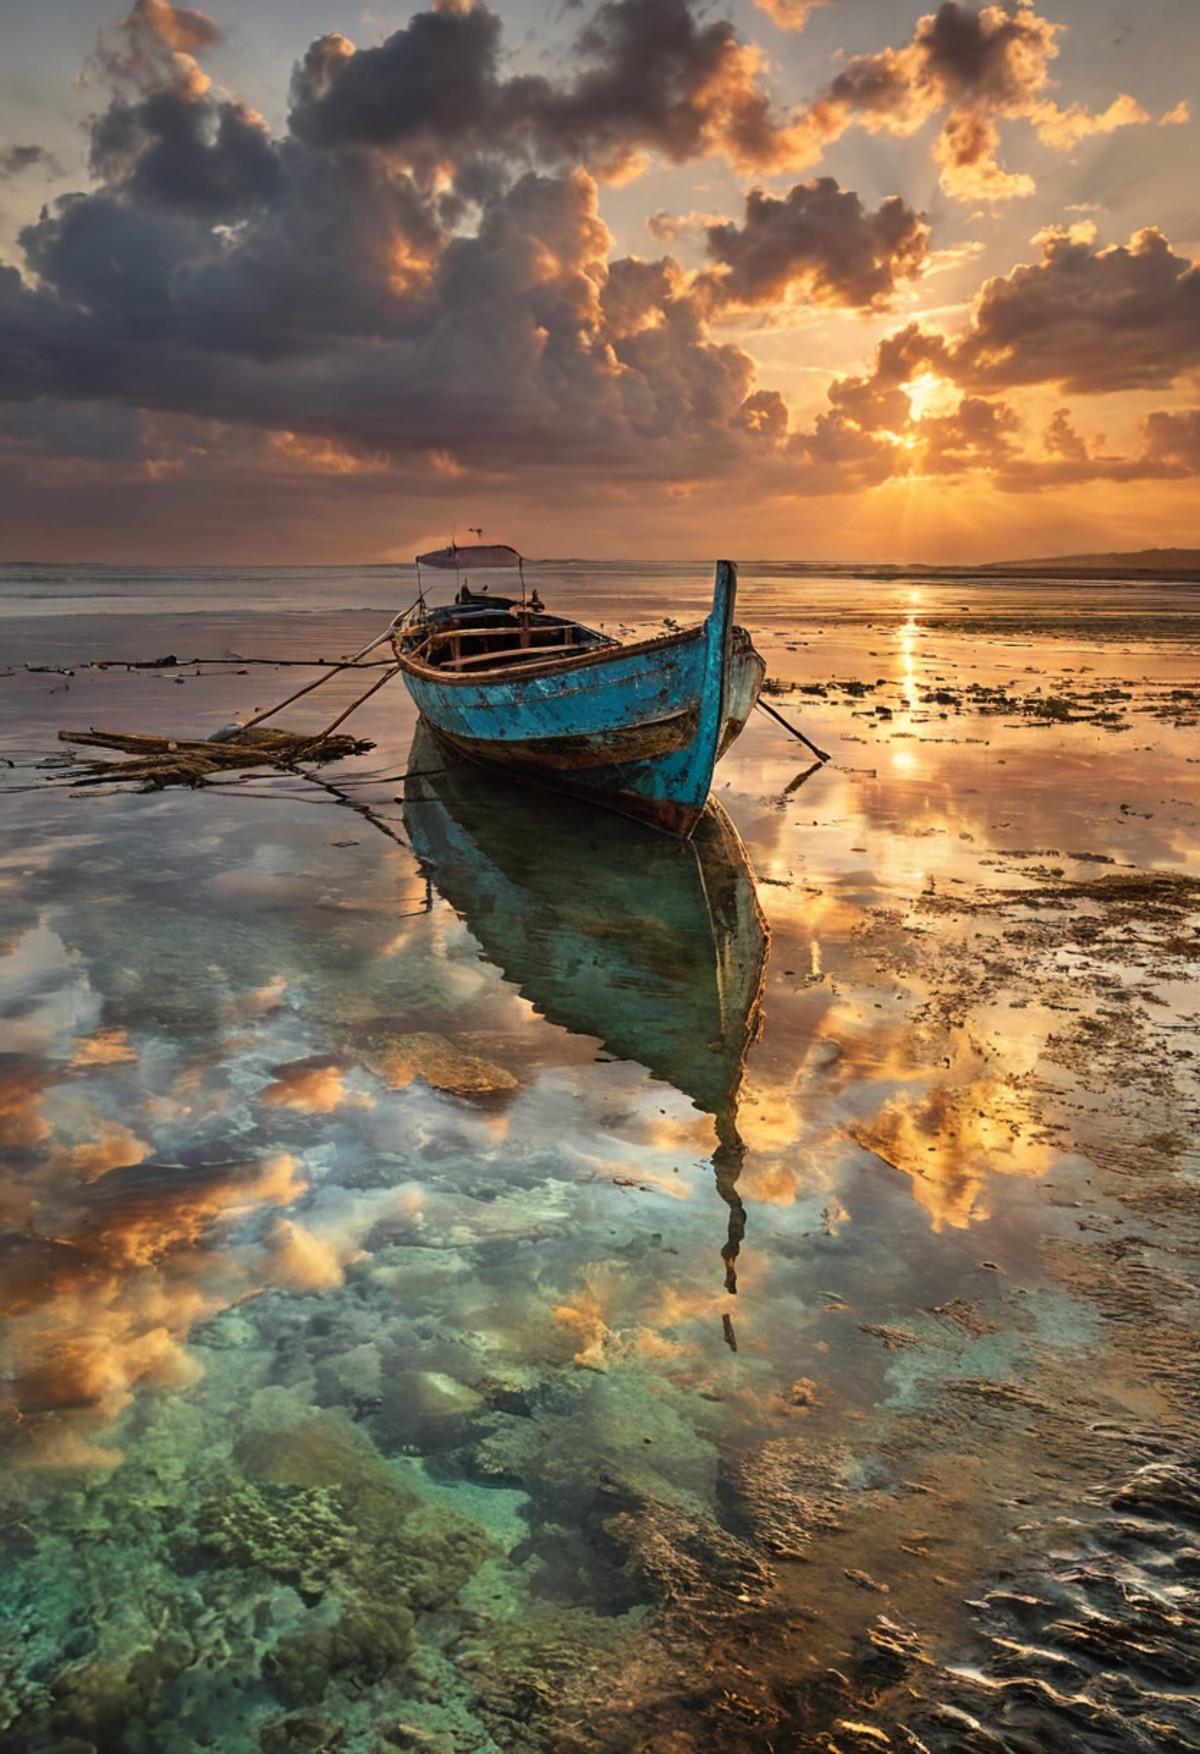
(373, 1376)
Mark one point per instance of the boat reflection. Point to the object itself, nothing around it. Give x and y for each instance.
(608, 928)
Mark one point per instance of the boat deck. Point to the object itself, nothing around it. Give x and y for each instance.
(496, 641)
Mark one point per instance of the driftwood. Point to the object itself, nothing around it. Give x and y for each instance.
(177, 761)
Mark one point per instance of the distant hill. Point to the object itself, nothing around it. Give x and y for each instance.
(1158, 562)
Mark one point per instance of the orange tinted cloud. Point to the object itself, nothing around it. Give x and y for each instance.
(323, 457)
(116, 1147)
(317, 1089)
(949, 1140)
(108, 1302)
(108, 1047)
(790, 14)
(1114, 318)
(1086, 318)
(300, 1260)
(156, 44)
(976, 69)
(1066, 128)
(818, 241)
(22, 1123)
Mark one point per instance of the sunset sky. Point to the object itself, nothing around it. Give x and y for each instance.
(806, 279)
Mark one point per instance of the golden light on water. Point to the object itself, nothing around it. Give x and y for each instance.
(906, 638)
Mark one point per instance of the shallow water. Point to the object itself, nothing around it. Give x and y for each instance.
(427, 1329)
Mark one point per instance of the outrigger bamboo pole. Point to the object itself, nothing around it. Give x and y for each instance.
(346, 664)
(820, 754)
(353, 707)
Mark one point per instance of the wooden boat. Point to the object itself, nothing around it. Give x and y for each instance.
(637, 727)
(654, 945)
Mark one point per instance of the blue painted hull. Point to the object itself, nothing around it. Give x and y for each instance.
(638, 728)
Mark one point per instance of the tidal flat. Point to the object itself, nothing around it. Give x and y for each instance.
(477, 1278)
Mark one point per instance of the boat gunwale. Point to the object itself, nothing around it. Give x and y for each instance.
(585, 659)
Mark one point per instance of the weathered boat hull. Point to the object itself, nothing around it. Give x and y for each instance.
(637, 728)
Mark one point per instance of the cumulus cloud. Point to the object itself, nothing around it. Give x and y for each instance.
(1088, 319)
(1093, 320)
(436, 80)
(1171, 442)
(975, 69)
(156, 44)
(328, 294)
(187, 154)
(884, 425)
(1060, 438)
(653, 78)
(820, 240)
(415, 275)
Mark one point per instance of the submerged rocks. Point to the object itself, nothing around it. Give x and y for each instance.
(684, 1558)
(367, 1640)
(443, 1064)
(391, 1540)
(1168, 1490)
(293, 1533)
(300, 1732)
(788, 1491)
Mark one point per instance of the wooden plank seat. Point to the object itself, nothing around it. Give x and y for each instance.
(508, 655)
(524, 634)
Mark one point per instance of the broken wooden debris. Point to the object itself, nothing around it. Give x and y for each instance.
(175, 761)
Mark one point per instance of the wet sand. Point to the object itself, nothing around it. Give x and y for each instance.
(372, 1375)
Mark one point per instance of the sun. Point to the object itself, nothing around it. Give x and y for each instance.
(929, 394)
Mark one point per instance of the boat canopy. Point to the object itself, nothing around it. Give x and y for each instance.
(485, 555)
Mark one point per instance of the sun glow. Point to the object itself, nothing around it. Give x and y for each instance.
(929, 394)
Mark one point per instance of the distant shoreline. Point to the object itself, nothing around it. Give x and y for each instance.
(1141, 566)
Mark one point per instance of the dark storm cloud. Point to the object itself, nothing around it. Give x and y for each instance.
(437, 79)
(193, 155)
(659, 79)
(654, 78)
(820, 239)
(329, 246)
(81, 431)
(390, 276)
(343, 312)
